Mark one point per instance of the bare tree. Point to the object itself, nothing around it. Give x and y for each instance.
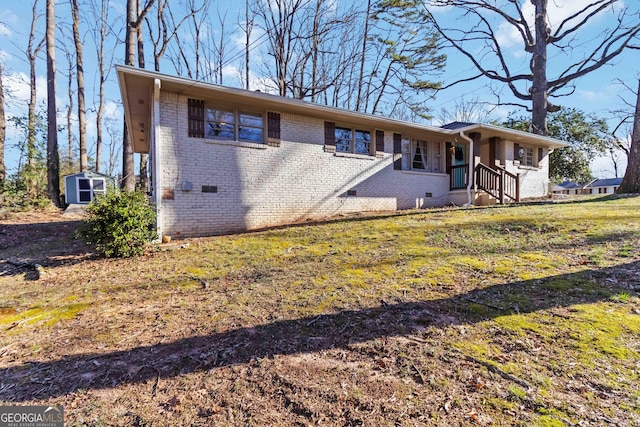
(165, 30)
(33, 49)
(479, 41)
(282, 21)
(631, 180)
(144, 157)
(53, 160)
(247, 28)
(3, 128)
(82, 111)
(186, 56)
(113, 145)
(100, 32)
(363, 55)
(70, 93)
(134, 20)
(463, 110)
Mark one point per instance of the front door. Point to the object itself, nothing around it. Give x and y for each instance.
(459, 169)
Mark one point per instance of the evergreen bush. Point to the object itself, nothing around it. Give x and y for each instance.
(119, 224)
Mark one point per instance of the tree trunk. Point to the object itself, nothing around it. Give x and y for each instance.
(248, 28)
(539, 69)
(70, 114)
(82, 111)
(101, 17)
(363, 56)
(32, 54)
(128, 170)
(631, 181)
(53, 159)
(3, 127)
(144, 175)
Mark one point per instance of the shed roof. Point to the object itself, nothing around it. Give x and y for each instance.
(89, 173)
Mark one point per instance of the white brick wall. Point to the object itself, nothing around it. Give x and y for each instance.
(534, 181)
(260, 186)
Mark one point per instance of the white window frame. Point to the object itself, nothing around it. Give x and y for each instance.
(527, 152)
(237, 125)
(91, 190)
(352, 141)
(432, 151)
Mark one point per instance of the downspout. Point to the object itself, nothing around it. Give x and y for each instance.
(155, 138)
(471, 164)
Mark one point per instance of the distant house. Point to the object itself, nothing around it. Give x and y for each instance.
(597, 186)
(227, 160)
(83, 187)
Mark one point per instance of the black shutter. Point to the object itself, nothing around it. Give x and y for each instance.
(540, 152)
(273, 129)
(196, 118)
(397, 151)
(330, 137)
(379, 140)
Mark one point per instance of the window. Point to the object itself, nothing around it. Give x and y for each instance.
(221, 124)
(426, 156)
(352, 140)
(527, 160)
(232, 124)
(89, 188)
(524, 155)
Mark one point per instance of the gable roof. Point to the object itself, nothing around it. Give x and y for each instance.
(608, 182)
(570, 184)
(136, 87)
(457, 125)
(88, 173)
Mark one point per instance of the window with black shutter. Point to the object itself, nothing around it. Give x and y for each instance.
(540, 154)
(330, 137)
(196, 118)
(397, 151)
(379, 140)
(273, 129)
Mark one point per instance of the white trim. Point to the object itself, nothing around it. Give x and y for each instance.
(90, 189)
(235, 143)
(155, 137)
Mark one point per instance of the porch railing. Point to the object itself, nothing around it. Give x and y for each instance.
(459, 176)
(499, 183)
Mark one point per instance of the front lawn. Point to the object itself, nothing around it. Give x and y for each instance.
(518, 315)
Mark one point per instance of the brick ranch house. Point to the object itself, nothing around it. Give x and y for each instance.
(226, 160)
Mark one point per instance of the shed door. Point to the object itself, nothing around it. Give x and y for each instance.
(89, 188)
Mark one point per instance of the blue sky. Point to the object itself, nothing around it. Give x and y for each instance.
(599, 93)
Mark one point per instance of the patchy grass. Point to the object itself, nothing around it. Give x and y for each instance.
(519, 315)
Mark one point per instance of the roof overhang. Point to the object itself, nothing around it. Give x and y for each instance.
(490, 131)
(136, 87)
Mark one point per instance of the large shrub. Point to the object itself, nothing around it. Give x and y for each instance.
(119, 224)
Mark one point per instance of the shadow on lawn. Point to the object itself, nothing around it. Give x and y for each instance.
(49, 244)
(43, 380)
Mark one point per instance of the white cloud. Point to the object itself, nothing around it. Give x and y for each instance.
(112, 110)
(4, 30)
(7, 20)
(18, 92)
